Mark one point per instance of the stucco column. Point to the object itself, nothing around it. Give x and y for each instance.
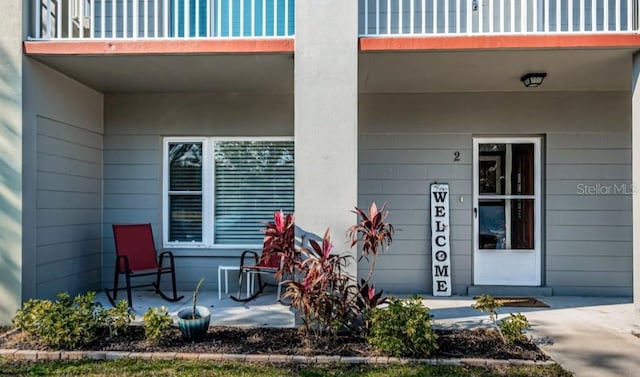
(10, 158)
(635, 147)
(326, 117)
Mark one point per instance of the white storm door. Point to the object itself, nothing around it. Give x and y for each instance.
(506, 211)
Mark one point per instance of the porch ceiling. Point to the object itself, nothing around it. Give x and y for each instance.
(263, 73)
(498, 70)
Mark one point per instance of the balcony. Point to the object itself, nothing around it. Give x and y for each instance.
(162, 19)
(397, 18)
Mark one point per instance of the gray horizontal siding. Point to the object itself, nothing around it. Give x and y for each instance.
(589, 237)
(68, 207)
(398, 169)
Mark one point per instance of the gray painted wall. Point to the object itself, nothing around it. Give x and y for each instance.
(11, 233)
(134, 127)
(407, 141)
(63, 182)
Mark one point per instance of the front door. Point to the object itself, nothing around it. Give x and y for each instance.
(506, 211)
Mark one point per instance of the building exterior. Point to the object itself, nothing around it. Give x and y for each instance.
(201, 117)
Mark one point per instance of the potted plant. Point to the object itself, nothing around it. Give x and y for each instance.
(194, 321)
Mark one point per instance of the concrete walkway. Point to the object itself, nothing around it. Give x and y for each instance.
(590, 336)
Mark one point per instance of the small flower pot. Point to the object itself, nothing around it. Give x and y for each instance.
(194, 329)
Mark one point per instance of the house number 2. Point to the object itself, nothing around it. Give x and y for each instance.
(456, 156)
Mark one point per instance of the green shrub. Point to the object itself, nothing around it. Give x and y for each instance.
(64, 323)
(403, 328)
(487, 304)
(513, 326)
(118, 319)
(157, 324)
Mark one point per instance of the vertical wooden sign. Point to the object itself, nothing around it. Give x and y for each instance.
(440, 248)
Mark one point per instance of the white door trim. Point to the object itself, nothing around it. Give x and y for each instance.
(482, 275)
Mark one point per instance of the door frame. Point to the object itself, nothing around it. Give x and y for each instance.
(537, 250)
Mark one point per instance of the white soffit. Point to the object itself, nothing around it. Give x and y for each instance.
(245, 73)
(496, 70)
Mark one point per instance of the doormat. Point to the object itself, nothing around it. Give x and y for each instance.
(521, 302)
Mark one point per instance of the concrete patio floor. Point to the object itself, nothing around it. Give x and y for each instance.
(264, 311)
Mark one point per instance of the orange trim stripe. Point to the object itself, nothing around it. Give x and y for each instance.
(158, 47)
(498, 42)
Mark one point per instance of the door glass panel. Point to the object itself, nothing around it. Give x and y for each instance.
(493, 229)
(506, 224)
(492, 165)
(522, 169)
(522, 224)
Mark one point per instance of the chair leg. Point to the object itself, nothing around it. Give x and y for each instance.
(173, 279)
(240, 274)
(128, 279)
(113, 295)
(157, 285)
(249, 298)
(173, 283)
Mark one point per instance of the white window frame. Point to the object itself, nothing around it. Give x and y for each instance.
(208, 189)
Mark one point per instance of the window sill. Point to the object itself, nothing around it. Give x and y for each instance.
(211, 252)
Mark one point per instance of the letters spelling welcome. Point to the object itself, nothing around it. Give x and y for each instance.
(440, 240)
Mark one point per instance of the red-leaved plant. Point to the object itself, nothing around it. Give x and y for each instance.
(279, 242)
(373, 233)
(368, 299)
(323, 298)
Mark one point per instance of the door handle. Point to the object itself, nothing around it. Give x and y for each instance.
(475, 212)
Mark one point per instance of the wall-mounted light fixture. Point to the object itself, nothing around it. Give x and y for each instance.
(532, 80)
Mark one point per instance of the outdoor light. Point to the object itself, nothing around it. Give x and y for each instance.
(532, 80)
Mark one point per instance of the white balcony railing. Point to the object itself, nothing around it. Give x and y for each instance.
(162, 19)
(490, 17)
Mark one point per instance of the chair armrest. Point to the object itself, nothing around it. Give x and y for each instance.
(161, 256)
(248, 252)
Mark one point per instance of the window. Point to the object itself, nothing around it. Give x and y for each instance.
(218, 192)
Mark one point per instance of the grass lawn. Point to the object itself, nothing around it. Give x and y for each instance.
(202, 368)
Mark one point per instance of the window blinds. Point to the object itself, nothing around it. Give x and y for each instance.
(252, 180)
(185, 192)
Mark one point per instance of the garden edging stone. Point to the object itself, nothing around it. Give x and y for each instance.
(32, 355)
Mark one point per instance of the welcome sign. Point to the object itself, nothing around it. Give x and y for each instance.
(440, 249)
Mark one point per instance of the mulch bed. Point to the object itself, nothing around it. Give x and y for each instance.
(478, 343)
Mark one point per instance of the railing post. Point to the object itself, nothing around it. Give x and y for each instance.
(630, 15)
(58, 19)
(81, 20)
(446, 16)
(165, 18)
(469, 16)
(37, 13)
(502, 16)
(125, 21)
(366, 17)
(618, 15)
(92, 18)
(275, 18)
(114, 25)
(103, 17)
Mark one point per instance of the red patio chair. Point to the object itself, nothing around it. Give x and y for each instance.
(267, 263)
(136, 257)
